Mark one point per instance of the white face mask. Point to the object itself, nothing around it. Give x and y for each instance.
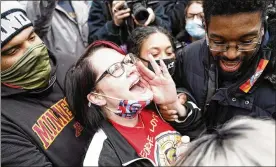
(195, 28)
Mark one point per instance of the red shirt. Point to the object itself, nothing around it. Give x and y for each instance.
(152, 138)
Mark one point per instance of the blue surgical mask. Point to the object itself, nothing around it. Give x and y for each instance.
(195, 28)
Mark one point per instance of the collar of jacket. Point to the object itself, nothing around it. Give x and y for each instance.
(251, 83)
(124, 150)
(81, 10)
(7, 91)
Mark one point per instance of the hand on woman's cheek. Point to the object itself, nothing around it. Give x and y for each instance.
(160, 82)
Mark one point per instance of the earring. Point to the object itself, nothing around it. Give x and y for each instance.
(89, 104)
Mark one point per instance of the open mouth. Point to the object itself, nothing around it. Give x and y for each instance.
(134, 83)
(230, 66)
(137, 87)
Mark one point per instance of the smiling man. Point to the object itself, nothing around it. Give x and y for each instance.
(231, 71)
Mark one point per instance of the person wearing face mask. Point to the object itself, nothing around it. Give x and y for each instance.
(158, 42)
(35, 119)
(231, 72)
(109, 95)
(194, 29)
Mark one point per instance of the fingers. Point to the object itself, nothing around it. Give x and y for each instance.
(121, 14)
(169, 115)
(144, 82)
(117, 5)
(144, 71)
(144, 76)
(164, 69)
(154, 65)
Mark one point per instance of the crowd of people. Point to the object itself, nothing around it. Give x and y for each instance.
(138, 83)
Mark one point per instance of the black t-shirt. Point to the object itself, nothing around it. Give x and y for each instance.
(40, 130)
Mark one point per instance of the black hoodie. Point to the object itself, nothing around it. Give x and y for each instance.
(38, 129)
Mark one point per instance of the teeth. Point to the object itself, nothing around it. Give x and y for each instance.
(134, 83)
(230, 63)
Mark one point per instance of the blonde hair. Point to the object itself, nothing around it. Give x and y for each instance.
(243, 141)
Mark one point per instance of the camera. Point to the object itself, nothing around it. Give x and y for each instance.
(138, 9)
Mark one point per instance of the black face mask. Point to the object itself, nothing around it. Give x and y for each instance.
(170, 63)
(234, 76)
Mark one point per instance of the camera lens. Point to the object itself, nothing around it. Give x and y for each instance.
(140, 13)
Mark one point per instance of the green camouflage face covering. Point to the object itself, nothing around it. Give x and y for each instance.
(31, 71)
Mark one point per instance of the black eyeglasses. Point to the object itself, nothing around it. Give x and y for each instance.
(242, 47)
(117, 69)
(193, 15)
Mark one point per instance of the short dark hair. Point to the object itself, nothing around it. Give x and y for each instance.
(80, 81)
(230, 7)
(140, 34)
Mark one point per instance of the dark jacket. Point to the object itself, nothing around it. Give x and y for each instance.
(101, 25)
(38, 129)
(197, 72)
(109, 148)
(175, 10)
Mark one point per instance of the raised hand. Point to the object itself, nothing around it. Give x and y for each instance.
(160, 82)
(119, 12)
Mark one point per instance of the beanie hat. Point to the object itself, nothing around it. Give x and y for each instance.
(13, 20)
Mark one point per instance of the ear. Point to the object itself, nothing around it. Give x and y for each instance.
(95, 99)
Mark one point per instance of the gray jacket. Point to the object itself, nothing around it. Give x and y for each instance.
(60, 32)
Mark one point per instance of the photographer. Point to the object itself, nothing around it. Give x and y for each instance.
(114, 20)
